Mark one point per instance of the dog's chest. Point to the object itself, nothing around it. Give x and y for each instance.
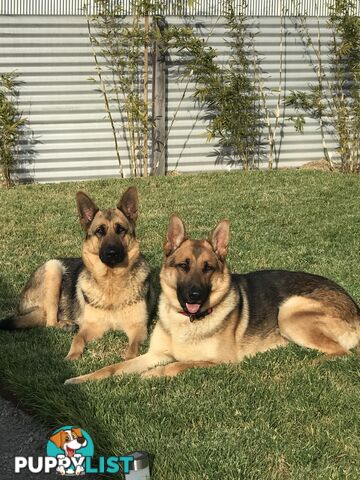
(193, 341)
(207, 349)
(210, 338)
(109, 295)
(111, 319)
(111, 307)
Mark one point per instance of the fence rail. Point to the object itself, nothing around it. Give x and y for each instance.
(197, 7)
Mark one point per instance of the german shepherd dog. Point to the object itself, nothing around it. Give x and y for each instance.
(107, 289)
(209, 316)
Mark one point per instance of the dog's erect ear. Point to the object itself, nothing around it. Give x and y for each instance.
(129, 204)
(58, 439)
(219, 238)
(175, 235)
(87, 209)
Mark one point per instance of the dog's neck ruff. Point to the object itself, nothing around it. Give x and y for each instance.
(196, 316)
(89, 301)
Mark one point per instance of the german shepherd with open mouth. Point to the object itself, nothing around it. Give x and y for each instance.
(107, 289)
(209, 316)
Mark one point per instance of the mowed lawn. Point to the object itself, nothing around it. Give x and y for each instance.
(280, 415)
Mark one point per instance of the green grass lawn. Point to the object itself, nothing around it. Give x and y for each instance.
(279, 415)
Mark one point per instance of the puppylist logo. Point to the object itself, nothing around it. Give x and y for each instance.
(69, 451)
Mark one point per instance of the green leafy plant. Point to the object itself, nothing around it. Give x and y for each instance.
(334, 100)
(123, 47)
(228, 93)
(121, 44)
(273, 118)
(11, 125)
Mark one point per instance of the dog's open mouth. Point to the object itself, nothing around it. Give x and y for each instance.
(193, 308)
(70, 451)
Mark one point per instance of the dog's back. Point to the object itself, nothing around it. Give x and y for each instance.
(267, 290)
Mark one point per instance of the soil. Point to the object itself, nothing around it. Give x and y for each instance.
(322, 165)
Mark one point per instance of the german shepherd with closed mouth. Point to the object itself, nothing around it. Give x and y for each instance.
(209, 316)
(107, 289)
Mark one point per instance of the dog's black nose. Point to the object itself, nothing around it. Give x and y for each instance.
(112, 255)
(111, 252)
(194, 294)
(81, 440)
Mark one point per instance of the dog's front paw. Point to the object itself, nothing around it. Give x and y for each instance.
(72, 381)
(76, 380)
(154, 372)
(61, 470)
(70, 357)
(129, 355)
(68, 327)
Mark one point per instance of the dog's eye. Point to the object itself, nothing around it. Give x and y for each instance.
(183, 266)
(208, 268)
(100, 231)
(67, 438)
(119, 229)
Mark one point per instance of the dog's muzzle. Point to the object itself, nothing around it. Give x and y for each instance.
(112, 256)
(192, 298)
(81, 440)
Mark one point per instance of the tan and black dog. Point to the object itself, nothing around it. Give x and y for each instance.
(107, 289)
(209, 316)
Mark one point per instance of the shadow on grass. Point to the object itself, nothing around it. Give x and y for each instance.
(7, 298)
(33, 371)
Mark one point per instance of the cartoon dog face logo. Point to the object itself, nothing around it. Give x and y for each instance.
(70, 440)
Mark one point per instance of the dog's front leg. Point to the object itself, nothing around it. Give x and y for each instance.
(173, 369)
(136, 334)
(79, 470)
(134, 323)
(135, 365)
(88, 331)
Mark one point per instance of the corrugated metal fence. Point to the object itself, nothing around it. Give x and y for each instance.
(180, 7)
(70, 136)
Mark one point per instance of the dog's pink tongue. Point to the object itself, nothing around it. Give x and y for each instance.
(193, 307)
(70, 452)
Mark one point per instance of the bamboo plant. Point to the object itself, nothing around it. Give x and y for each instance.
(12, 125)
(334, 99)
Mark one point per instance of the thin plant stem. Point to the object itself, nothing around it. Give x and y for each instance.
(106, 99)
(146, 96)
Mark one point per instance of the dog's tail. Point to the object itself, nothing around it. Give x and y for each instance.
(34, 317)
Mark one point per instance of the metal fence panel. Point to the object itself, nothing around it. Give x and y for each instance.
(70, 135)
(198, 7)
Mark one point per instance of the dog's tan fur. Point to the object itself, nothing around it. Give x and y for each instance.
(87, 292)
(311, 311)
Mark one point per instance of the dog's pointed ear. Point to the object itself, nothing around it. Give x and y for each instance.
(175, 235)
(219, 238)
(129, 204)
(87, 209)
